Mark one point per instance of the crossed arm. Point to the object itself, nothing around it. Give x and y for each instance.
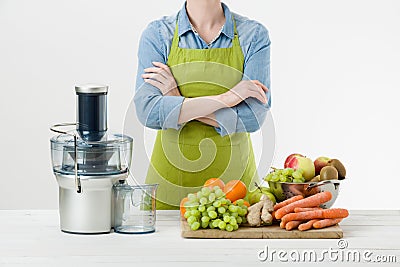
(159, 104)
(202, 108)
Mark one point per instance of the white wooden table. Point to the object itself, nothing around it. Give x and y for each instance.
(33, 238)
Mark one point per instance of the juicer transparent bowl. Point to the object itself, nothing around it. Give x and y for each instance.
(110, 156)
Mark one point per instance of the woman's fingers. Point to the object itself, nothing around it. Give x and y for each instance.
(161, 77)
(259, 92)
(154, 69)
(257, 82)
(154, 83)
(155, 76)
(159, 71)
(263, 87)
(257, 96)
(162, 66)
(262, 96)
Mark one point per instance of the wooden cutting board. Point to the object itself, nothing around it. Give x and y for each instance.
(266, 232)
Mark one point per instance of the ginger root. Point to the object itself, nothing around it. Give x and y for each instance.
(254, 215)
(260, 212)
(267, 209)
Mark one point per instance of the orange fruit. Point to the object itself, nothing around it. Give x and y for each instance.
(244, 203)
(235, 190)
(214, 182)
(182, 207)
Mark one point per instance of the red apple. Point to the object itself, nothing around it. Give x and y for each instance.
(286, 165)
(319, 163)
(306, 164)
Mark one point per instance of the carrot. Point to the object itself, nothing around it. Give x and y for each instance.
(273, 215)
(316, 214)
(284, 225)
(287, 201)
(326, 222)
(292, 224)
(311, 201)
(306, 209)
(307, 225)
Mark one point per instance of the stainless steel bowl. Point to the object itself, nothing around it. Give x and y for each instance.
(283, 191)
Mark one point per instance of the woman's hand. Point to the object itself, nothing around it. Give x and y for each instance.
(161, 77)
(244, 90)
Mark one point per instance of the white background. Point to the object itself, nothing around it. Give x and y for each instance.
(335, 84)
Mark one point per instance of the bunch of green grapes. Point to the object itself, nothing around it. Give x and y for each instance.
(287, 175)
(209, 208)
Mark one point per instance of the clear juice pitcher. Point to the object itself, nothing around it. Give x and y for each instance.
(134, 208)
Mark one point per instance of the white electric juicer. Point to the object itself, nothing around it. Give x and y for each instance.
(87, 161)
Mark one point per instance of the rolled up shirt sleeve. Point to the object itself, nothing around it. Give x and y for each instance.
(227, 119)
(152, 108)
(250, 114)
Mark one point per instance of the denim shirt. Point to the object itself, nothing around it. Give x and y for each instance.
(162, 112)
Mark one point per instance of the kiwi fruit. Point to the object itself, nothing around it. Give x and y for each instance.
(339, 167)
(316, 179)
(329, 173)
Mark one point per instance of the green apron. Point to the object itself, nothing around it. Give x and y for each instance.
(182, 160)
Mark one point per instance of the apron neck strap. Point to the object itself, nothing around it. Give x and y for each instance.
(175, 40)
(235, 41)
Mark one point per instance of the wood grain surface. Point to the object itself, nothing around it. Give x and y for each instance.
(263, 232)
(32, 238)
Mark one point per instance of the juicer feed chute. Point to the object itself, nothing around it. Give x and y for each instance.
(91, 113)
